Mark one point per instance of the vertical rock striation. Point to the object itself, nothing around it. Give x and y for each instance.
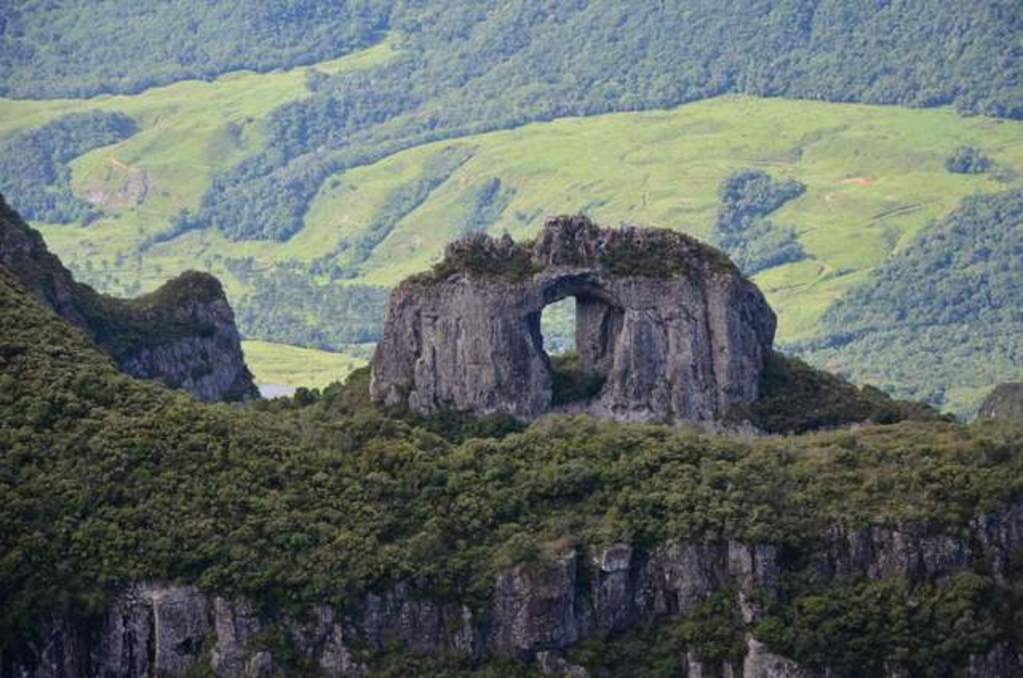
(534, 614)
(669, 324)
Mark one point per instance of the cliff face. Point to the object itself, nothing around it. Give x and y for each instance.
(534, 614)
(1004, 402)
(669, 325)
(182, 335)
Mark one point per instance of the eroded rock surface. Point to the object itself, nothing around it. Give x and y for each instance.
(183, 334)
(1004, 402)
(536, 614)
(669, 324)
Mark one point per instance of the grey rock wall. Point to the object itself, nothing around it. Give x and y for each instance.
(187, 339)
(535, 614)
(671, 326)
(182, 335)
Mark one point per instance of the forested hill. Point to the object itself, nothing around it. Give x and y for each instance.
(470, 67)
(80, 48)
(463, 67)
(320, 501)
(922, 52)
(940, 321)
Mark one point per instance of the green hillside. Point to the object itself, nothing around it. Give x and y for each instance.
(459, 116)
(875, 176)
(955, 293)
(290, 366)
(106, 480)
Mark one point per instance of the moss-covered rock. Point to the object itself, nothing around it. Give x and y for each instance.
(182, 334)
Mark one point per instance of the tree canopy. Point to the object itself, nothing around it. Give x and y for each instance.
(954, 292)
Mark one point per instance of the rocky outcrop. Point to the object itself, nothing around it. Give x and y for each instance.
(535, 613)
(762, 663)
(669, 324)
(183, 334)
(1004, 402)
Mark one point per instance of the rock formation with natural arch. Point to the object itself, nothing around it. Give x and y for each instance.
(668, 325)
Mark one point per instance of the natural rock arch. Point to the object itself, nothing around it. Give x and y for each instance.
(675, 330)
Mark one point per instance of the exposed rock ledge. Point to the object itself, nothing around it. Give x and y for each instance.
(669, 324)
(535, 615)
(183, 334)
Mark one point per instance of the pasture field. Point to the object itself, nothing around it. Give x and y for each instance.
(875, 178)
(295, 366)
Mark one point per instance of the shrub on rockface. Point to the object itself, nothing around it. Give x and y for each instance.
(570, 383)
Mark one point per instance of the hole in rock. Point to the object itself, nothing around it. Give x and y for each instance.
(578, 337)
(557, 325)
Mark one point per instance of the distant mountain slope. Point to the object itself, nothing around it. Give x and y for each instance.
(941, 320)
(923, 52)
(81, 48)
(875, 176)
(183, 334)
(468, 67)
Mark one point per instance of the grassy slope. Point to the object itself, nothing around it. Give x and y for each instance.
(875, 176)
(293, 366)
(186, 137)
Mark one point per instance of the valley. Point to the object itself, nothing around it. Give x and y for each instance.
(875, 178)
(511, 338)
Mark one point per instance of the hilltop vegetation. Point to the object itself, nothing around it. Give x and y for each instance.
(105, 480)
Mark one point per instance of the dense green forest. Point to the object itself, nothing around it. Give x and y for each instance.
(288, 306)
(954, 293)
(33, 164)
(742, 230)
(106, 480)
(470, 67)
(77, 48)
